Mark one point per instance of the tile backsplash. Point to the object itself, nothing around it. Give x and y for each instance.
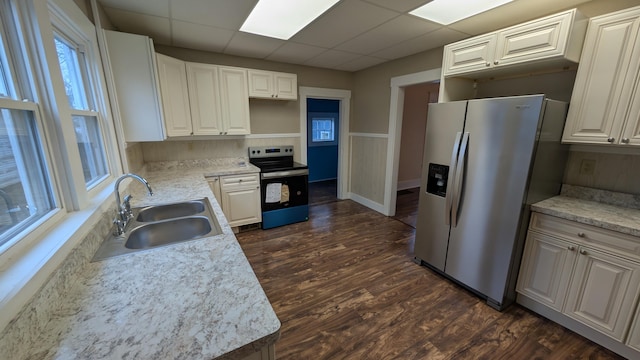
(211, 149)
(606, 171)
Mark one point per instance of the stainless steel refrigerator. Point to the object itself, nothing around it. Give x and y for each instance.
(484, 162)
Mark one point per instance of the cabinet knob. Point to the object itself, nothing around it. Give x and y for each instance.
(611, 139)
(220, 132)
(239, 180)
(571, 248)
(625, 140)
(496, 62)
(583, 252)
(488, 64)
(581, 234)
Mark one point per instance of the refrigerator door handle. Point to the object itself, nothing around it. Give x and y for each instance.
(459, 178)
(452, 174)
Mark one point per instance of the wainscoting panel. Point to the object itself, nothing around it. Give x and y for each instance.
(368, 165)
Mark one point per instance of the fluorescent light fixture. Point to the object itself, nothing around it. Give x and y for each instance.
(446, 12)
(281, 19)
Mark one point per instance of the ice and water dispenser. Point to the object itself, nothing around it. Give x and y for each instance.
(437, 179)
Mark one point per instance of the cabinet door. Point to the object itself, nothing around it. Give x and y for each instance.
(286, 86)
(633, 340)
(603, 291)
(133, 68)
(546, 269)
(175, 95)
(631, 131)
(602, 89)
(261, 84)
(241, 206)
(535, 40)
(204, 98)
(234, 101)
(469, 55)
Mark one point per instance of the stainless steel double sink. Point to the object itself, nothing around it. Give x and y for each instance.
(159, 225)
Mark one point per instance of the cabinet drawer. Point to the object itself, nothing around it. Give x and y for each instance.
(607, 240)
(235, 181)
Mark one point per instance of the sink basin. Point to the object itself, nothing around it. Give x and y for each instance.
(159, 225)
(170, 211)
(168, 232)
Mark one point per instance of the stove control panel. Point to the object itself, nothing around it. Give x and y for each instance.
(270, 151)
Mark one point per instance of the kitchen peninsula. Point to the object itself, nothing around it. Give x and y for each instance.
(197, 299)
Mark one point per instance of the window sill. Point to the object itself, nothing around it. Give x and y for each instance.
(25, 269)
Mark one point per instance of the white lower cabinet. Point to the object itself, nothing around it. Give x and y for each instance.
(546, 269)
(585, 274)
(239, 197)
(603, 292)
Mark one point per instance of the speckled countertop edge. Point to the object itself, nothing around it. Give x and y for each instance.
(193, 300)
(610, 217)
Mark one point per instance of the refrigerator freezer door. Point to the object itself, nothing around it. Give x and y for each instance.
(444, 122)
(502, 135)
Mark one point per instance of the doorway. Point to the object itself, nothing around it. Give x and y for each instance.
(323, 125)
(343, 98)
(396, 108)
(414, 123)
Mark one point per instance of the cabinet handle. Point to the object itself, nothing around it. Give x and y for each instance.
(583, 252)
(625, 140)
(581, 234)
(611, 139)
(496, 62)
(571, 248)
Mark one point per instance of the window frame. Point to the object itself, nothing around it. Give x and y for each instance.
(322, 115)
(68, 21)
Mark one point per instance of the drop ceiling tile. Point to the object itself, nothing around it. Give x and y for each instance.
(149, 7)
(331, 59)
(219, 13)
(400, 6)
(295, 53)
(250, 45)
(200, 37)
(400, 29)
(512, 13)
(360, 63)
(421, 43)
(157, 28)
(347, 19)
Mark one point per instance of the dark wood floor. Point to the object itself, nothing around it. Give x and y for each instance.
(345, 287)
(407, 206)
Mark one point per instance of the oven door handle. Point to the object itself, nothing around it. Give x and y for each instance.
(286, 173)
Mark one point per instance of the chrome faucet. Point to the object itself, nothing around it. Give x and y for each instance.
(124, 209)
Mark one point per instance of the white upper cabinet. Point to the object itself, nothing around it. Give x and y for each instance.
(204, 98)
(553, 38)
(175, 96)
(272, 85)
(234, 101)
(605, 104)
(133, 67)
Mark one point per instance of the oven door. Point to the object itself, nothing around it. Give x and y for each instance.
(283, 189)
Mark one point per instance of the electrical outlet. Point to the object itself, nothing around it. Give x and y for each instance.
(587, 167)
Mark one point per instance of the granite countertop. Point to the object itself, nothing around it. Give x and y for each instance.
(589, 206)
(198, 299)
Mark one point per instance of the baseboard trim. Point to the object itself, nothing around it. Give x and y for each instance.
(408, 184)
(366, 202)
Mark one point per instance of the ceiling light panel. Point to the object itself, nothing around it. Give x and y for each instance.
(281, 19)
(446, 12)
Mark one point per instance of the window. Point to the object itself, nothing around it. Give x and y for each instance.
(73, 65)
(26, 194)
(322, 129)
